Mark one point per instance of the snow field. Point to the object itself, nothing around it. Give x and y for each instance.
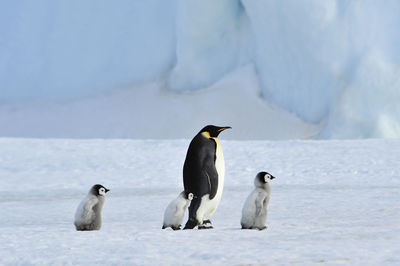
(332, 202)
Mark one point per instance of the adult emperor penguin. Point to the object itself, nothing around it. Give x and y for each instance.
(254, 212)
(175, 211)
(203, 175)
(88, 213)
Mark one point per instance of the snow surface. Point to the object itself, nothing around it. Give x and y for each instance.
(332, 202)
(333, 63)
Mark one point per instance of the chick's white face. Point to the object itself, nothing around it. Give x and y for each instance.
(190, 196)
(102, 191)
(267, 178)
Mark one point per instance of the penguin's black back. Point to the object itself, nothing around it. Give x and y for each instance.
(200, 176)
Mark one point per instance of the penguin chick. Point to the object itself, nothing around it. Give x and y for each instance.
(173, 215)
(88, 213)
(254, 212)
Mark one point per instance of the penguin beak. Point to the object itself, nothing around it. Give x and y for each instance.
(223, 128)
(107, 190)
(272, 177)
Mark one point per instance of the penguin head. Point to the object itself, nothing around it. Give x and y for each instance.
(212, 131)
(187, 195)
(262, 178)
(99, 190)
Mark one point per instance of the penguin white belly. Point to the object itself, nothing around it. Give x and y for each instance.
(208, 207)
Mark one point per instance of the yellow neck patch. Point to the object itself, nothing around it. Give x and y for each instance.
(206, 134)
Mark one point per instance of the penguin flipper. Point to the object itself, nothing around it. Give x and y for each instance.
(89, 213)
(258, 207)
(176, 212)
(259, 203)
(85, 213)
(211, 174)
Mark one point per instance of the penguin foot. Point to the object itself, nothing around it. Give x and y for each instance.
(206, 222)
(190, 224)
(176, 228)
(201, 227)
(262, 228)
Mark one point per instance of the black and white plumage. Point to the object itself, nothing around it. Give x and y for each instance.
(254, 212)
(175, 211)
(88, 213)
(203, 175)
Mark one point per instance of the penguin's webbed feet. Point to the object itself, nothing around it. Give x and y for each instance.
(191, 223)
(206, 225)
(201, 227)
